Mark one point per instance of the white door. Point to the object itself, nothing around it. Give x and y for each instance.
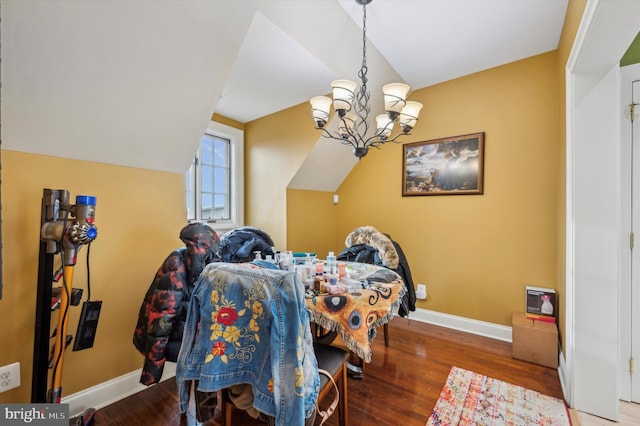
(629, 305)
(633, 123)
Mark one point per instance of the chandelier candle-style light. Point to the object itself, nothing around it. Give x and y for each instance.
(353, 108)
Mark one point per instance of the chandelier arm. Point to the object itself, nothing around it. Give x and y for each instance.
(352, 133)
(394, 140)
(358, 133)
(336, 136)
(362, 108)
(377, 143)
(376, 140)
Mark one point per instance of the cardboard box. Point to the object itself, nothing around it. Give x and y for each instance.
(534, 341)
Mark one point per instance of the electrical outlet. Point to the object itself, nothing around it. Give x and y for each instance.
(9, 376)
(421, 291)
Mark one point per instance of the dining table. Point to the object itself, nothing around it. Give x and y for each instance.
(359, 310)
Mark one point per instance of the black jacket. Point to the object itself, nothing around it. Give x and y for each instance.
(241, 244)
(158, 333)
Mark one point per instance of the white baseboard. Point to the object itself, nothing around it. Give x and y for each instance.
(111, 391)
(563, 374)
(481, 328)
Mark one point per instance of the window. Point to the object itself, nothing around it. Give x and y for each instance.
(214, 182)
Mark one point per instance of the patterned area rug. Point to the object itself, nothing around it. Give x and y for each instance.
(468, 398)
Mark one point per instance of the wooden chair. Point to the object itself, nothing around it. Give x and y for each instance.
(386, 334)
(330, 358)
(334, 360)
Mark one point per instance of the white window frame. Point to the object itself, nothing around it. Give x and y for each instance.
(236, 153)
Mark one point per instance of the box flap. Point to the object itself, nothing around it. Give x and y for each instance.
(520, 319)
(545, 326)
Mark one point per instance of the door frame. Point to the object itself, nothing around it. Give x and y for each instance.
(592, 342)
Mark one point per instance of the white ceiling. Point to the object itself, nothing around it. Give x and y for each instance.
(425, 41)
(135, 82)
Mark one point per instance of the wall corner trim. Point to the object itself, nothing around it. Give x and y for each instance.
(111, 391)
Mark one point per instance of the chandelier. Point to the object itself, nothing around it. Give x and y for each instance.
(353, 108)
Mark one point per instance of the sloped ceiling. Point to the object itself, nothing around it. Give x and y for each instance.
(127, 83)
(134, 83)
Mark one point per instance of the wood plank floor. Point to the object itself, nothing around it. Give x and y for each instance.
(400, 387)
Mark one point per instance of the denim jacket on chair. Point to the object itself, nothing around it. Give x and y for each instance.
(248, 324)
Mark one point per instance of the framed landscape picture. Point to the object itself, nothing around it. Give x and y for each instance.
(447, 166)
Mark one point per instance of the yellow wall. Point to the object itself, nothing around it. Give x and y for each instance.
(475, 253)
(139, 215)
(227, 121)
(311, 222)
(275, 147)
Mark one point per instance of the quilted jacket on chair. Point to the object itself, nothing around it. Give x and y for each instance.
(158, 332)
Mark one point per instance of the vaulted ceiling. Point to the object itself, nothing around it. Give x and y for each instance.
(134, 83)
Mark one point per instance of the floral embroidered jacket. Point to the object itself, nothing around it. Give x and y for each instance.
(249, 324)
(158, 332)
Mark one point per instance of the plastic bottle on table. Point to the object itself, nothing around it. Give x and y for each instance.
(331, 263)
(309, 272)
(342, 270)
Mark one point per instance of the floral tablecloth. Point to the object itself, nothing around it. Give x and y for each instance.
(355, 317)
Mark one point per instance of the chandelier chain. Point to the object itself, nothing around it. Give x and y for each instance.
(363, 69)
(362, 110)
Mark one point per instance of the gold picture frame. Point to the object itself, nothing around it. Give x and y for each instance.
(447, 166)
